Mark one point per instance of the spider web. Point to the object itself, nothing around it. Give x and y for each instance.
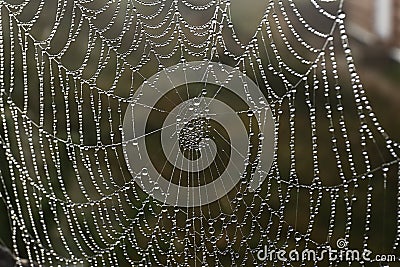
(70, 69)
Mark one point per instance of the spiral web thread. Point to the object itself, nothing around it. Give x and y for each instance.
(69, 69)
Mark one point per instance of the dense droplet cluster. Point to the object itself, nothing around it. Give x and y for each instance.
(191, 134)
